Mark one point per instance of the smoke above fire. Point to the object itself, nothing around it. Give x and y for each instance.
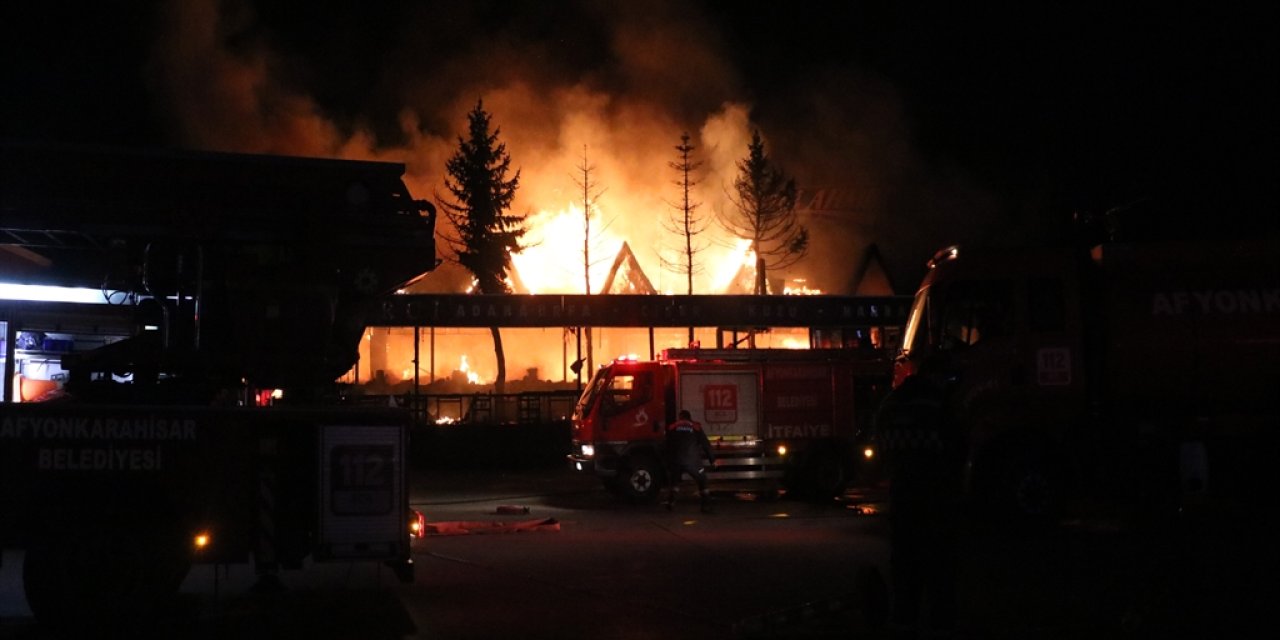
(228, 88)
(610, 86)
(568, 83)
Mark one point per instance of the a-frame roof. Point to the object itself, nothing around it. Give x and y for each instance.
(626, 276)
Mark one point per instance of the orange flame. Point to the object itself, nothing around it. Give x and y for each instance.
(553, 260)
(472, 376)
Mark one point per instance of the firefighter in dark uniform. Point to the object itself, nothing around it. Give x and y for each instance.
(686, 446)
(924, 453)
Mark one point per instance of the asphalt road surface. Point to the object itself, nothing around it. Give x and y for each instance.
(590, 566)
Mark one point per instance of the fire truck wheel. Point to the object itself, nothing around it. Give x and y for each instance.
(115, 575)
(639, 478)
(828, 475)
(821, 476)
(1038, 489)
(771, 492)
(1019, 482)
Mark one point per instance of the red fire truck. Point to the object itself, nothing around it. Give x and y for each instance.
(1138, 371)
(222, 280)
(786, 417)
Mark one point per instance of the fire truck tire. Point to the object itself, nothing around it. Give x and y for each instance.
(114, 575)
(771, 492)
(640, 478)
(821, 476)
(1019, 482)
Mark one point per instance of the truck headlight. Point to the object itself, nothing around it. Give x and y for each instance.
(417, 524)
(588, 451)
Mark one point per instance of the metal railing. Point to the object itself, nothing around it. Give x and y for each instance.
(533, 407)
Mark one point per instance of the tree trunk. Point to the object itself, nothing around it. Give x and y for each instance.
(762, 288)
(499, 384)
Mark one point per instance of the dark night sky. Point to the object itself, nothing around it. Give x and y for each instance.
(1026, 113)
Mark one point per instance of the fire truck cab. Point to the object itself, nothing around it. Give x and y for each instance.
(225, 278)
(1143, 372)
(782, 417)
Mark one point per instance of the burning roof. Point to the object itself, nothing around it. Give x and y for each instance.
(626, 275)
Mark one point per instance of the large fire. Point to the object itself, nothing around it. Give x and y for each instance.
(553, 263)
(540, 355)
(626, 244)
(553, 259)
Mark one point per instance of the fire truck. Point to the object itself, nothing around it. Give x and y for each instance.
(190, 416)
(782, 418)
(1124, 373)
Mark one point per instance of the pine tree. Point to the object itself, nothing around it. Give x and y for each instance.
(685, 222)
(765, 202)
(481, 195)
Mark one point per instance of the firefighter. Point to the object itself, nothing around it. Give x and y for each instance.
(686, 446)
(924, 453)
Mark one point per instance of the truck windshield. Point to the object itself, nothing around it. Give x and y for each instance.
(975, 310)
(626, 390)
(959, 314)
(589, 394)
(912, 333)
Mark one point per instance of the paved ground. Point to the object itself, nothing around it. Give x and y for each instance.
(605, 570)
(624, 571)
(1084, 578)
(755, 569)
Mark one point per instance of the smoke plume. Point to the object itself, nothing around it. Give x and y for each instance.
(567, 83)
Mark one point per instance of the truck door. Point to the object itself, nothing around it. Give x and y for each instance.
(630, 406)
